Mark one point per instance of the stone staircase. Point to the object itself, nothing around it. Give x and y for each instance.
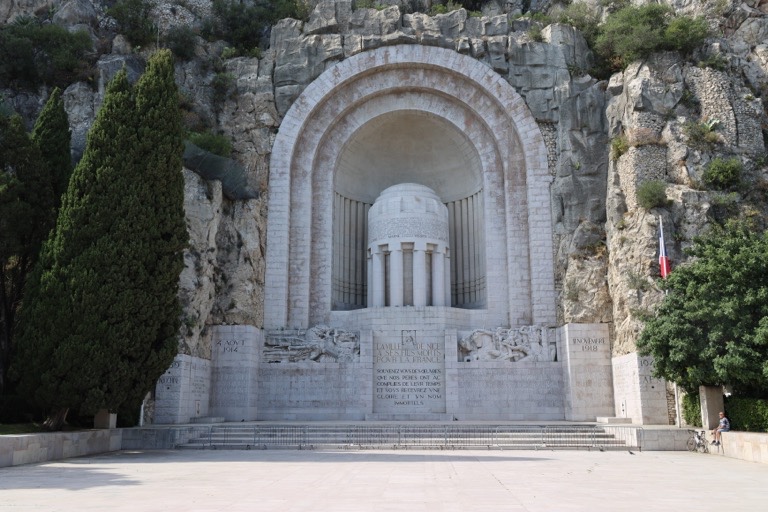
(412, 436)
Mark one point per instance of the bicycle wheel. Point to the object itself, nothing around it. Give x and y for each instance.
(691, 444)
(703, 448)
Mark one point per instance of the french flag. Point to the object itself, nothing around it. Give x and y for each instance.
(663, 260)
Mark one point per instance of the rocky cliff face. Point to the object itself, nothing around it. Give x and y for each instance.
(605, 242)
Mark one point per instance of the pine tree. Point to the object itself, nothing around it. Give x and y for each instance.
(103, 312)
(26, 217)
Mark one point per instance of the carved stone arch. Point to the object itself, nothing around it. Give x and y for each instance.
(461, 98)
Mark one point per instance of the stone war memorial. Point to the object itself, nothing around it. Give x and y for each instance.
(431, 225)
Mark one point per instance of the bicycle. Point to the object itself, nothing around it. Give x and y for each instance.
(697, 442)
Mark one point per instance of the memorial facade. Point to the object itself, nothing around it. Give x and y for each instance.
(409, 265)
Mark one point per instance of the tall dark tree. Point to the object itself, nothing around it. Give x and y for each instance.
(26, 217)
(101, 317)
(52, 135)
(712, 327)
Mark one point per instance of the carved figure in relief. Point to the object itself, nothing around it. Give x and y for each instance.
(320, 344)
(527, 343)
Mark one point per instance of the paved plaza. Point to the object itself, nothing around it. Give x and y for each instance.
(357, 481)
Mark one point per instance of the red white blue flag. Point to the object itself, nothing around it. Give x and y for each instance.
(664, 267)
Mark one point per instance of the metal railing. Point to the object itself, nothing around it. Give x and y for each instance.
(403, 436)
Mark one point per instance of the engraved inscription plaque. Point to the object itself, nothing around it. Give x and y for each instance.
(408, 374)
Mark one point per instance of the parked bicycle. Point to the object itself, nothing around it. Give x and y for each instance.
(697, 442)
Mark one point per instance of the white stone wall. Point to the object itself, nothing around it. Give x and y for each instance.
(314, 391)
(510, 391)
(235, 351)
(183, 391)
(638, 395)
(586, 352)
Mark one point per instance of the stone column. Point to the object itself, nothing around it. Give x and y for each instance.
(420, 274)
(396, 276)
(377, 277)
(369, 272)
(438, 277)
(711, 400)
(447, 277)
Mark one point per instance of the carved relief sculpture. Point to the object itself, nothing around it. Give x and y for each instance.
(529, 343)
(321, 344)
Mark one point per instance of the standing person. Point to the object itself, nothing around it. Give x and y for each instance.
(723, 426)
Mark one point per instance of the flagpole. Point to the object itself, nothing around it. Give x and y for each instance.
(664, 270)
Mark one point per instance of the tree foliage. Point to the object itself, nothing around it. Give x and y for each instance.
(712, 327)
(247, 24)
(134, 19)
(54, 139)
(26, 216)
(634, 32)
(101, 315)
(32, 53)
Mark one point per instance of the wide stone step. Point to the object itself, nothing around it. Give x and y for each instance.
(407, 436)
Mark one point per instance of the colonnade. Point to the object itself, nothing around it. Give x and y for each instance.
(409, 274)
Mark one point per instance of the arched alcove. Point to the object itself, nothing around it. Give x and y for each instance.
(399, 147)
(409, 114)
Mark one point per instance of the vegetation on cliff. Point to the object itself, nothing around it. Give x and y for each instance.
(101, 313)
(633, 33)
(34, 53)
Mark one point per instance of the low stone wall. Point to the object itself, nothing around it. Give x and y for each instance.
(664, 439)
(31, 448)
(750, 446)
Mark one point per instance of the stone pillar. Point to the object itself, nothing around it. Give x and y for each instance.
(377, 277)
(235, 356)
(711, 400)
(396, 276)
(369, 270)
(586, 350)
(420, 275)
(438, 278)
(447, 277)
(105, 419)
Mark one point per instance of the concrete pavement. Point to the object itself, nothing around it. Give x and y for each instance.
(386, 480)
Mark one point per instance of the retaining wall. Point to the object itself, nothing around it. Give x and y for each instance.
(43, 447)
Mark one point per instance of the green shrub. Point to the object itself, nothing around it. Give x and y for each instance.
(134, 20)
(181, 40)
(221, 84)
(619, 146)
(534, 33)
(229, 53)
(685, 34)
(633, 33)
(722, 174)
(247, 25)
(32, 54)
(750, 414)
(701, 135)
(443, 7)
(691, 409)
(714, 61)
(211, 142)
(652, 193)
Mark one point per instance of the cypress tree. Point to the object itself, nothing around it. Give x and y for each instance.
(52, 135)
(103, 310)
(26, 217)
